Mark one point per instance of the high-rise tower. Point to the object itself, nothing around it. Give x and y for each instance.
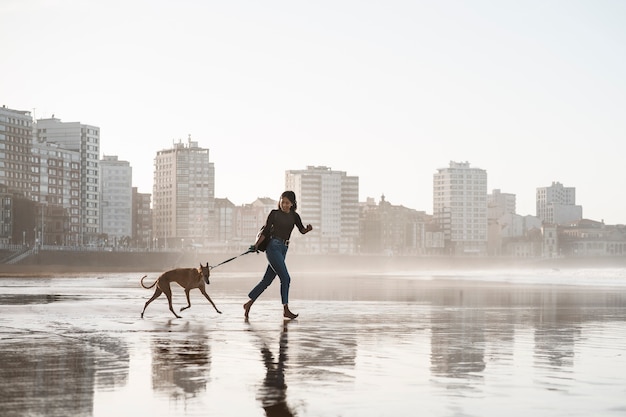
(116, 204)
(329, 200)
(183, 196)
(16, 132)
(460, 208)
(85, 140)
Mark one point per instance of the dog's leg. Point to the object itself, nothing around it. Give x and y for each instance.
(203, 291)
(188, 301)
(157, 294)
(168, 293)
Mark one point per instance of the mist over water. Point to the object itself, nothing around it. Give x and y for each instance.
(444, 342)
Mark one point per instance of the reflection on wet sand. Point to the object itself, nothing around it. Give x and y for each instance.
(50, 375)
(112, 361)
(458, 344)
(473, 319)
(557, 329)
(273, 392)
(181, 368)
(57, 381)
(388, 347)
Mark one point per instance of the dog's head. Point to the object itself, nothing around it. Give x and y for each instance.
(205, 271)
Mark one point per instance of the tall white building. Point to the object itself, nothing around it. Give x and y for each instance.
(16, 132)
(84, 139)
(329, 201)
(56, 186)
(183, 196)
(460, 208)
(116, 204)
(16, 127)
(556, 204)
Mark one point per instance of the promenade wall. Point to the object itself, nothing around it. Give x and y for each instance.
(59, 261)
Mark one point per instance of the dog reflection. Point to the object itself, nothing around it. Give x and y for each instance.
(180, 367)
(273, 392)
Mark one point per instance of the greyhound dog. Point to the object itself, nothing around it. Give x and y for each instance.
(188, 278)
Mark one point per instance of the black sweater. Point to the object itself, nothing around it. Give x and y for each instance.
(280, 224)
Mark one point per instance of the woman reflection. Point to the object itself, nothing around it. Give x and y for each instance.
(273, 393)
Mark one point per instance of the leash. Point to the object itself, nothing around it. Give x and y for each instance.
(231, 259)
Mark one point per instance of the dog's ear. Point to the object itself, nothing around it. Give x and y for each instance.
(207, 264)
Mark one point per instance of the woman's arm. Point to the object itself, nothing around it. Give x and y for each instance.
(258, 241)
(301, 228)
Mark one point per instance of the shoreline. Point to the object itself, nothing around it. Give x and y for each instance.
(50, 263)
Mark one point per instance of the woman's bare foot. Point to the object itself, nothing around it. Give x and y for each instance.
(287, 313)
(246, 308)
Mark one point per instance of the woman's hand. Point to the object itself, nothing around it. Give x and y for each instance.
(308, 228)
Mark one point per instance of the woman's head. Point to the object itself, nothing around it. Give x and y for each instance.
(288, 201)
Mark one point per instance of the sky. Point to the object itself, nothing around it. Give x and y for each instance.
(533, 92)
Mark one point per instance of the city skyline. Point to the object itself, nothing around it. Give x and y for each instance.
(472, 178)
(532, 93)
(466, 219)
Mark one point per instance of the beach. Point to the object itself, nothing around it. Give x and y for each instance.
(517, 342)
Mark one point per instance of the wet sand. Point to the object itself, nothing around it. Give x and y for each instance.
(405, 344)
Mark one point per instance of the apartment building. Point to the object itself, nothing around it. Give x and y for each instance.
(16, 128)
(142, 219)
(499, 206)
(224, 215)
(56, 189)
(248, 219)
(116, 200)
(16, 133)
(460, 208)
(391, 229)
(556, 204)
(329, 200)
(85, 140)
(183, 196)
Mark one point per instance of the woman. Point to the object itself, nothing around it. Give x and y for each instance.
(278, 229)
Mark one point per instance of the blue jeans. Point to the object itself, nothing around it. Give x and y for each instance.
(275, 253)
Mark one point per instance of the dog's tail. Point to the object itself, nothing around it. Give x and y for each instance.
(143, 285)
